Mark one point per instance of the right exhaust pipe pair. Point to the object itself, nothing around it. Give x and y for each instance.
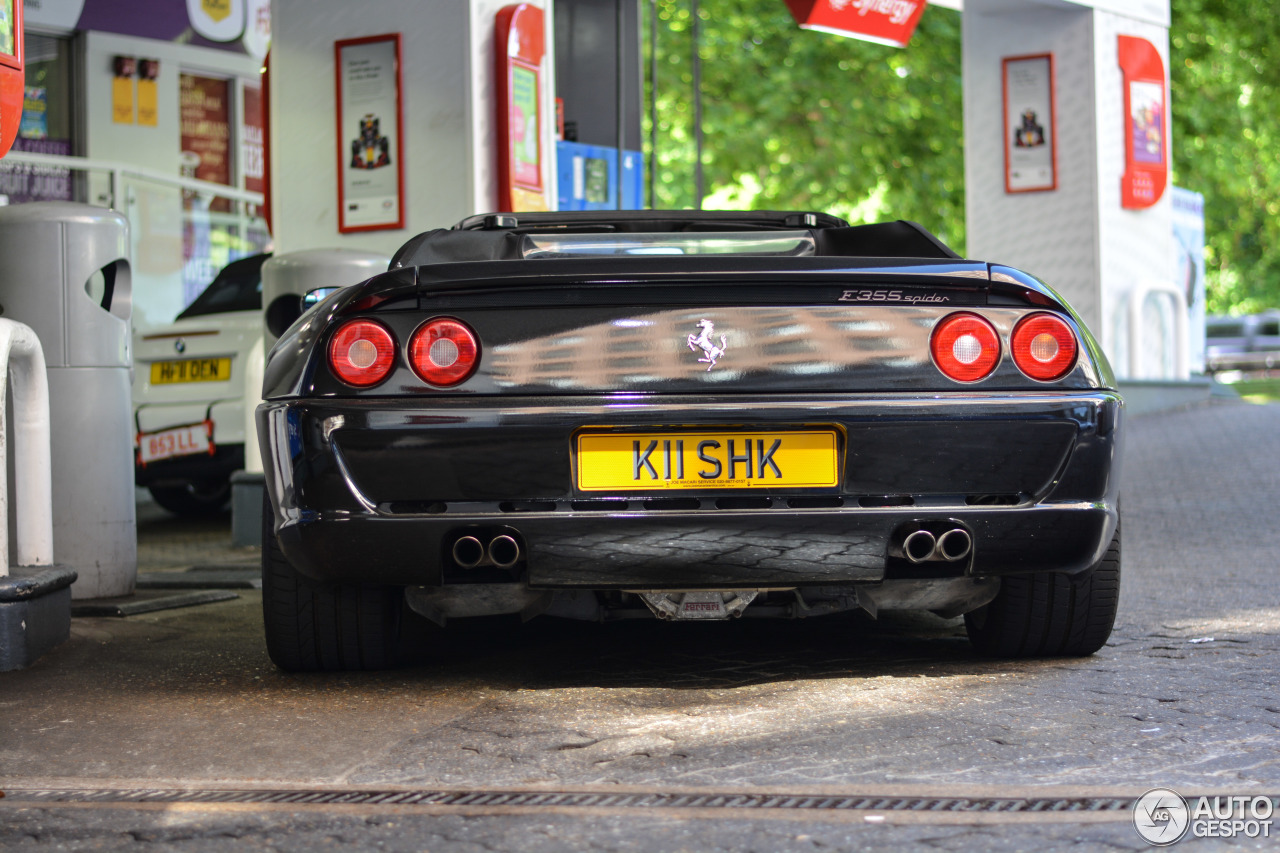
(951, 545)
(502, 551)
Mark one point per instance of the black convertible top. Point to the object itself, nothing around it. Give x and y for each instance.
(499, 236)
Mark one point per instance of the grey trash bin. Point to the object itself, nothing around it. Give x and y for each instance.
(285, 280)
(66, 275)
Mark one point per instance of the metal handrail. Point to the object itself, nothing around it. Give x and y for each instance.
(22, 357)
(1181, 333)
(118, 171)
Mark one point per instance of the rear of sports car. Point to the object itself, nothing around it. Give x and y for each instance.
(704, 426)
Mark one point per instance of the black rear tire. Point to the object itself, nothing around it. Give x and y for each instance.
(1050, 614)
(193, 499)
(317, 627)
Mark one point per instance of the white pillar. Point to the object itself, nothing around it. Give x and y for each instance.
(1077, 237)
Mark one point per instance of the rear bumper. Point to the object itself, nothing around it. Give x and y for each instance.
(377, 492)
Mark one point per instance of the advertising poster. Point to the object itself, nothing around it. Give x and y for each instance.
(35, 113)
(525, 128)
(1029, 156)
(251, 150)
(369, 151)
(205, 127)
(205, 136)
(1146, 121)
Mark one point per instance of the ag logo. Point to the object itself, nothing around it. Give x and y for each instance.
(1161, 816)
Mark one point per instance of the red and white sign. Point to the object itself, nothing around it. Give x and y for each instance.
(179, 441)
(1146, 135)
(888, 22)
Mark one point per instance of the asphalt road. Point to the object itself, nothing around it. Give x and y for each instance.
(1183, 696)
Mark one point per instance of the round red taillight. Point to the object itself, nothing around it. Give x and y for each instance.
(965, 347)
(1044, 347)
(444, 351)
(362, 353)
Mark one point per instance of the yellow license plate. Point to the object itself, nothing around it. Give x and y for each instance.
(191, 370)
(641, 461)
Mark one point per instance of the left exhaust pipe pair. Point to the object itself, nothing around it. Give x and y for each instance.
(921, 545)
(502, 551)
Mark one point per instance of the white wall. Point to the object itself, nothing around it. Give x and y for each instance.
(447, 104)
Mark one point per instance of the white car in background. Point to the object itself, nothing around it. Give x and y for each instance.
(188, 393)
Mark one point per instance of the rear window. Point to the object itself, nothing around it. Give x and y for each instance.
(771, 243)
(238, 287)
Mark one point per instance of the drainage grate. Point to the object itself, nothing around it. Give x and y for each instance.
(571, 799)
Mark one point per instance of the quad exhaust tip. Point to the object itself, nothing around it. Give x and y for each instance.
(503, 551)
(919, 546)
(950, 546)
(468, 552)
(954, 545)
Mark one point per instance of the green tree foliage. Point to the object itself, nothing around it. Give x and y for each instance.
(800, 120)
(1225, 73)
(806, 120)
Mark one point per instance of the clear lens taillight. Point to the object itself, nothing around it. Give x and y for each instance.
(444, 351)
(965, 347)
(362, 353)
(1044, 347)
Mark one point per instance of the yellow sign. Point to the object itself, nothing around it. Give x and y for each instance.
(147, 102)
(627, 462)
(217, 10)
(191, 370)
(122, 100)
